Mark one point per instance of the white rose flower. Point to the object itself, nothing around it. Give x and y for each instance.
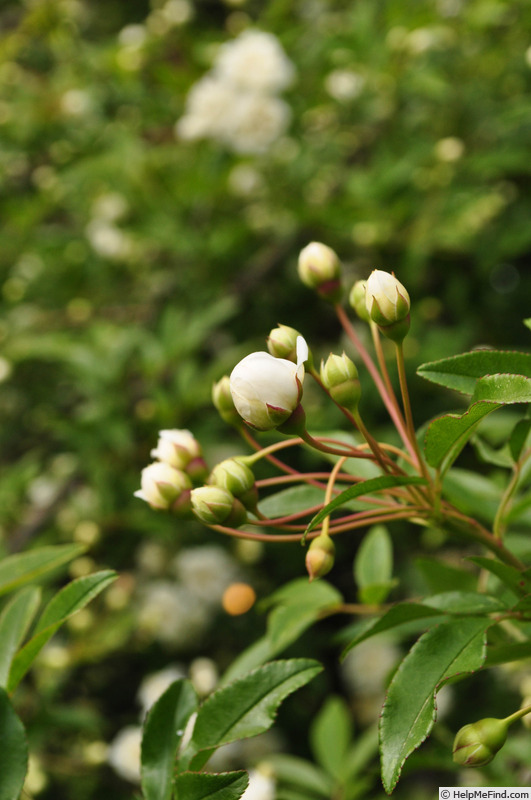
(177, 448)
(256, 61)
(256, 121)
(266, 390)
(124, 753)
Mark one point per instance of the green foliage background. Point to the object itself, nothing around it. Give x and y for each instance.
(101, 348)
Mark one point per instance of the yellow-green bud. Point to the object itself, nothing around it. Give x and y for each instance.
(388, 304)
(216, 506)
(235, 476)
(340, 377)
(357, 302)
(320, 556)
(320, 269)
(223, 402)
(477, 744)
(282, 342)
(163, 487)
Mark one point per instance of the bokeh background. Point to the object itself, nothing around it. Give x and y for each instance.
(157, 184)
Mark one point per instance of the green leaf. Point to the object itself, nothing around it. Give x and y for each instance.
(505, 653)
(519, 437)
(451, 648)
(462, 372)
(13, 752)
(527, 322)
(292, 500)
(15, 619)
(518, 582)
(24, 568)
(446, 436)
(330, 736)
(163, 731)
(299, 605)
(373, 566)
(73, 597)
(246, 707)
(301, 774)
(503, 388)
(211, 786)
(442, 577)
(401, 614)
(465, 603)
(364, 488)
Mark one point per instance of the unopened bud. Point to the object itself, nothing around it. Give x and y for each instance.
(320, 269)
(320, 556)
(235, 476)
(477, 744)
(216, 506)
(357, 302)
(163, 487)
(223, 402)
(340, 377)
(388, 304)
(180, 449)
(282, 343)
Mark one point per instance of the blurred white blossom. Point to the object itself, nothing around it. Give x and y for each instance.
(124, 753)
(171, 613)
(154, 685)
(255, 61)
(236, 103)
(344, 84)
(205, 572)
(261, 785)
(204, 675)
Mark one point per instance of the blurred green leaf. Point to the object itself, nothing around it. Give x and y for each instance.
(13, 752)
(15, 619)
(373, 566)
(331, 735)
(71, 598)
(301, 774)
(24, 568)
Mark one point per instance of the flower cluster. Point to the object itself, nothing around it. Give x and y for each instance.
(264, 393)
(237, 102)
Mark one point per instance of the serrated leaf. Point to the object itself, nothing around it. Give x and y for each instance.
(450, 649)
(465, 603)
(211, 786)
(364, 488)
(292, 500)
(401, 614)
(330, 736)
(162, 734)
(461, 372)
(13, 752)
(15, 619)
(446, 436)
(72, 597)
(246, 707)
(22, 568)
(503, 388)
(373, 565)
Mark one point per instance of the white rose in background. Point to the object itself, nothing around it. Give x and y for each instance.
(387, 299)
(256, 61)
(267, 390)
(237, 102)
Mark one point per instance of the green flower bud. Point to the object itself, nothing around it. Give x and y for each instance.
(340, 377)
(181, 450)
(320, 556)
(388, 304)
(163, 487)
(216, 506)
(357, 302)
(282, 343)
(235, 476)
(477, 744)
(223, 402)
(320, 269)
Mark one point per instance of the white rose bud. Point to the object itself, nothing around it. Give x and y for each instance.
(180, 449)
(162, 485)
(320, 269)
(267, 390)
(388, 304)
